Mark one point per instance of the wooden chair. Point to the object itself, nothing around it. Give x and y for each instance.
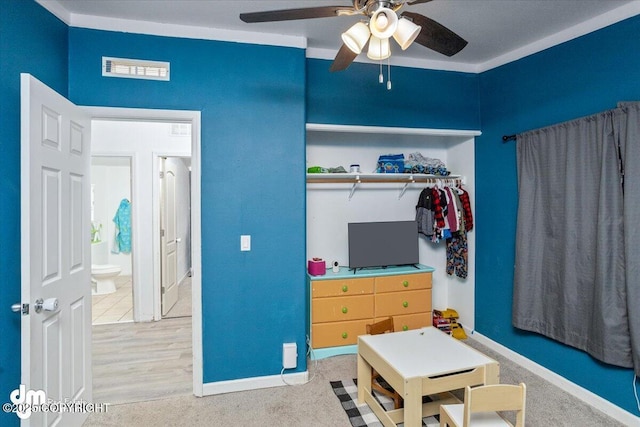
(480, 406)
(383, 327)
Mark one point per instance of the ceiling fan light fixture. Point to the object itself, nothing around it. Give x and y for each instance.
(406, 33)
(383, 23)
(356, 37)
(379, 49)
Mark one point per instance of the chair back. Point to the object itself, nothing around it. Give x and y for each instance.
(380, 327)
(495, 398)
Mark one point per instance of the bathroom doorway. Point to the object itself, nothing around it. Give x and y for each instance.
(111, 247)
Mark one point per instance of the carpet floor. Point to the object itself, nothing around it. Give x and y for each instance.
(315, 404)
(361, 415)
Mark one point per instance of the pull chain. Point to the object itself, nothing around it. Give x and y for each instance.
(388, 74)
(381, 76)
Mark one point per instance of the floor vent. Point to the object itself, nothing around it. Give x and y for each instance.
(135, 68)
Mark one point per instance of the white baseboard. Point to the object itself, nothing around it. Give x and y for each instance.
(581, 393)
(254, 383)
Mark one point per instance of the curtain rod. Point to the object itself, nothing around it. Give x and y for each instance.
(507, 138)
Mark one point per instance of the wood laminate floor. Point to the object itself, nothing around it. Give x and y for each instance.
(134, 362)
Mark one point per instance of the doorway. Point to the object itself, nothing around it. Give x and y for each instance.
(44, 114)
(111, 261)
(146, 264)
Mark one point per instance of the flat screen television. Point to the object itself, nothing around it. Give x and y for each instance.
(382, 244)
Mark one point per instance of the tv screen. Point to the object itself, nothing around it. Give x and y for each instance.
(382, 244)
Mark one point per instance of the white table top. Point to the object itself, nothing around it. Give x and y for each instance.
(425, 352)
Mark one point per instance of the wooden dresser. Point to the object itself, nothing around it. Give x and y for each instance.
(343, 303)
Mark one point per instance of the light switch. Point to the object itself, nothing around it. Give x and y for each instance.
(245, 242)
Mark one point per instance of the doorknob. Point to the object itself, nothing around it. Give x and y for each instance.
(50, 304)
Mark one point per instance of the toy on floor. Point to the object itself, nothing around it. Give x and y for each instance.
(447, 321)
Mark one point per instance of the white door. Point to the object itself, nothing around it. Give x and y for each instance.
(168, 243)
(55, 251)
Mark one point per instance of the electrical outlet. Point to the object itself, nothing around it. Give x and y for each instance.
(289, 355)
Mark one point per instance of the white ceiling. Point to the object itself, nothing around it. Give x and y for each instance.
(498, 31)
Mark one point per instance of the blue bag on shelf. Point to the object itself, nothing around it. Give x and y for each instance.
(391, 163)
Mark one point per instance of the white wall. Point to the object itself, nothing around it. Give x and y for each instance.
(111, 180)
(143, 142)
(329, 209)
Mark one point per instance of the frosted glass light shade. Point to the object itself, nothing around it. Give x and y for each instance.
(383, 23)
(355, 38)
(378, 49)
(406, 33)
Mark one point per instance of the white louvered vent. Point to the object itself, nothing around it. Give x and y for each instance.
(135, 68)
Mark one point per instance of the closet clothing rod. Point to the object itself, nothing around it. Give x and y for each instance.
(507, 138)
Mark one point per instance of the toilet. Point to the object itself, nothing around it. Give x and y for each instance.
(102, 274)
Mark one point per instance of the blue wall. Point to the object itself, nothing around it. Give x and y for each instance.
(253, 181)
(418, 98)
(253, 104)
(578, 78)
(44, 54)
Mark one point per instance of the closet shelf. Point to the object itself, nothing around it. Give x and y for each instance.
(377, 177)
(358, 178)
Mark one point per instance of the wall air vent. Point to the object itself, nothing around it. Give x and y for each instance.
(135, 68)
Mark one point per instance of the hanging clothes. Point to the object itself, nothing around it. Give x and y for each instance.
(424, 213)
(445, 213)
(457, 255)
(122, 220)
(466, 209)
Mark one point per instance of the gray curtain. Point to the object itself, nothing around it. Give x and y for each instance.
(628, 131)
(571, 280)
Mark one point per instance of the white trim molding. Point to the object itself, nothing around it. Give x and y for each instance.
(397, 61)
(245, 384)
(609, 18)
(193, 117)
(170, 30)
(559, 381)
(206, 33)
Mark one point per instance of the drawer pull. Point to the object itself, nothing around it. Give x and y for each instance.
(405, 328)
(345, 310)
(405, 304)
(405, 283)
(344, 335)
(345, 288)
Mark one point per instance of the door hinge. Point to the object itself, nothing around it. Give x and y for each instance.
(161, 175)
(162, 233)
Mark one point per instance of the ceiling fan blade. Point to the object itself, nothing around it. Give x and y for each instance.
(343, 59)
(411, 3)
(292, 14)
(436, 36)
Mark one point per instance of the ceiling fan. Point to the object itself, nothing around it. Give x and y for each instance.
(385, 19)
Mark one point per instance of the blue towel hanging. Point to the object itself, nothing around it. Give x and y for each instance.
(122, 220)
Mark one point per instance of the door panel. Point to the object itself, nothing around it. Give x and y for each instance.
(168, 242)
(55, 251)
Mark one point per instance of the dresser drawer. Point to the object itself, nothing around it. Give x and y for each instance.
(342, 308)
(403, 282)
(407, 302)
(338, 287)
(337, 333)
(410, 321)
